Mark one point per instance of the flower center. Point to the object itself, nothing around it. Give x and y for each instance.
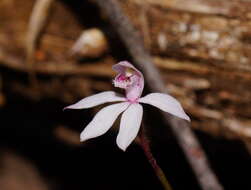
(123, 80)
(132, 101)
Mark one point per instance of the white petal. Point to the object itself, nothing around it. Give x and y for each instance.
(129, 125)
(166, 103)
(96, 99)
(103, 121)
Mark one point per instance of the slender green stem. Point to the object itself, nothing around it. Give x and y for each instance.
(144, 143)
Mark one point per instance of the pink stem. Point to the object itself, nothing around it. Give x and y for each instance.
(144, 143)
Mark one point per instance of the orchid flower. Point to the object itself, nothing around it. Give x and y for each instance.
(132, 80)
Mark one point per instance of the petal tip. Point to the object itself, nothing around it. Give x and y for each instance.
(71, 107)
(82, 140)
(121, 145)
(83, 137)
(123, 148)
(65, 108)
(184, 117)
(188, 119)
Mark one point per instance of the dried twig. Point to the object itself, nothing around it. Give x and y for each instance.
(37, 23)
(65, 68)
(141, 57)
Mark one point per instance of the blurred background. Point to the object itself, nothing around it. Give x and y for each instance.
(55, 52)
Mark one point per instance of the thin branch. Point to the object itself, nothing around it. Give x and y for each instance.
(185, 137)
